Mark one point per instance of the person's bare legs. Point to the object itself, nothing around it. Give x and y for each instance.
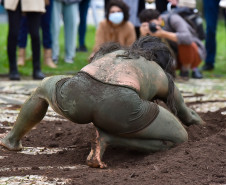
(163, 133)
(31, 113)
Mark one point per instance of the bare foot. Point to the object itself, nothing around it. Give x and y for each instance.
(94, 161)
(15, 146)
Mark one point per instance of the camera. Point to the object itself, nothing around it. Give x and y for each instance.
(153, 27)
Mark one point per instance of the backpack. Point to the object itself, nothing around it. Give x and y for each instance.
(192, 17)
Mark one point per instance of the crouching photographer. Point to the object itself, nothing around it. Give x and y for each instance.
(180, 37)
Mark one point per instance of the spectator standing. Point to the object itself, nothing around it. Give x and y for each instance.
(46, 37)
(83, 11)
(106, 5)
(115, 27)
(68, 9)
(135, 7)
(211, 10)
(188, 49)
(164, 5)
(33, 10)
(161, 5)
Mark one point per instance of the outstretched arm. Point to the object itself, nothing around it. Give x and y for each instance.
(184, 113)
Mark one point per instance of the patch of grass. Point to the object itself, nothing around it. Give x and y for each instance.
(81, 59)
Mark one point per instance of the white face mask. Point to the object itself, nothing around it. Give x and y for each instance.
(116, 17)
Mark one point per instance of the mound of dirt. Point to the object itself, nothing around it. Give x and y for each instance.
(201, 160)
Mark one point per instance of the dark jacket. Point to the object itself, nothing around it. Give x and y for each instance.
(69, 1)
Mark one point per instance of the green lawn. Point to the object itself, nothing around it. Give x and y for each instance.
(81, 59)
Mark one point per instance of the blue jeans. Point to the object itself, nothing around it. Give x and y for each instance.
(83, 10)
(45, 25)
(70, 14)
(211, 9)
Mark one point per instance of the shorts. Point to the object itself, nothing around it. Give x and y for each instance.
(113, 108)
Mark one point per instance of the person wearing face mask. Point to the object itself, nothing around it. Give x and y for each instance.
(115, 27)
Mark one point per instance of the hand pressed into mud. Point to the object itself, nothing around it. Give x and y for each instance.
(196, 119)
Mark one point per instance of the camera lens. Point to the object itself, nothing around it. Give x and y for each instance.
(153, 27)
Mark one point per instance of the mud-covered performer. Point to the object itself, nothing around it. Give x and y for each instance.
(115, 92)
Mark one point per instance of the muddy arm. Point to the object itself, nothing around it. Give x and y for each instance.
(184, 113)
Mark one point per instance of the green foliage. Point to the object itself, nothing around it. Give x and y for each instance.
(81, 59)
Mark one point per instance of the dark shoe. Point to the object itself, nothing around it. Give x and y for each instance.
(14, 76)
(207, 67)
(38, 75)
(81, 49)
(196, 74)
(184, 73)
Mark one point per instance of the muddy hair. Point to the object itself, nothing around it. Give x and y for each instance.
(152, 49)
(105, 48)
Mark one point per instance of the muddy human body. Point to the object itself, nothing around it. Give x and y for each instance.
(115, 92)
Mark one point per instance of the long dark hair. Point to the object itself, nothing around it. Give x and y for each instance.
(105, 48)
(153, 49)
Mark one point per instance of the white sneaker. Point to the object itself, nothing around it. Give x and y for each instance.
(222, 4)
(69, 60)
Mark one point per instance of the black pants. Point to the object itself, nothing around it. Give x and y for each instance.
(34, 19)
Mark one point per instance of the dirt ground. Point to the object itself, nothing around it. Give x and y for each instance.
(201, 160)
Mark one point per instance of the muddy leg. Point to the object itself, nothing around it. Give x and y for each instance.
(103, 139)
(163, 133)
(32, 112)
(94, 158)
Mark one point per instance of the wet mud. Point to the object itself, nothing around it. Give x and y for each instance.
(57, 149)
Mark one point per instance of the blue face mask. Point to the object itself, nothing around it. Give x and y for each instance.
(116, 17)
